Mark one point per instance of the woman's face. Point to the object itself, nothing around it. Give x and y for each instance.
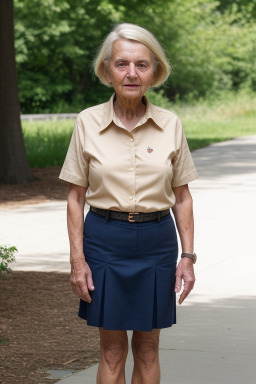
(131, 69)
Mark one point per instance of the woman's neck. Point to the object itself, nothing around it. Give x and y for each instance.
(129, 110)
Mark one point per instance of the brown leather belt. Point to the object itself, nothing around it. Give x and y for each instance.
(132, 217)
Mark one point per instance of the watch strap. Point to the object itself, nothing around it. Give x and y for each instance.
(191, 256)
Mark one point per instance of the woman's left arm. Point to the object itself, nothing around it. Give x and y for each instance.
(183, 213)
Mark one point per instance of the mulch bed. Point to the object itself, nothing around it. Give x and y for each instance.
(40, 329)
(39, 326)
(46, 186)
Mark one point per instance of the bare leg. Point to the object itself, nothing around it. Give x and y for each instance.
(145, 348)
(113, 353)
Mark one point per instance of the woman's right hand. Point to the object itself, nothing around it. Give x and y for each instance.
(81, 275)
(81, 279)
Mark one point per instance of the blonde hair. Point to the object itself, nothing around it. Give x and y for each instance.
(136, 33)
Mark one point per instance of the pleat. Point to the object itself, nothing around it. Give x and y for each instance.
(165, 296)
(123, 308)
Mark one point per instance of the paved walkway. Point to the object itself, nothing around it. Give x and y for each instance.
(214, 340)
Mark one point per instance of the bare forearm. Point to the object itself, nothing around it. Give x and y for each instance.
(75, 219)
(81, 275)
(183, 213)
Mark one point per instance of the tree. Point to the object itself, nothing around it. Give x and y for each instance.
(14, 167)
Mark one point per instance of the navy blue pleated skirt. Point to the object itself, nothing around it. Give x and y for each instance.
(133, 267)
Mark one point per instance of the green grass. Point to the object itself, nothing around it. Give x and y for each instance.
(209, 122)
(46, 142)
(201, 133)
(205, 122)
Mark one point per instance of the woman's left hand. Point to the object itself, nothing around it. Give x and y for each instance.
(185, 272)
(183, 213)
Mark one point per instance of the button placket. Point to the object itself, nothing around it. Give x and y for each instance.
(132, 196)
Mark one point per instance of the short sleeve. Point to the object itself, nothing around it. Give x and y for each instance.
(184, 170)
(75, 167)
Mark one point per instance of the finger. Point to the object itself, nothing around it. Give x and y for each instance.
(81, 290)
(178, 283)
(89, 280)
(183, 296)
(186, 291)
(85, 295)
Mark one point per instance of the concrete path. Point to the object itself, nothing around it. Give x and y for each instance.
(214, 340)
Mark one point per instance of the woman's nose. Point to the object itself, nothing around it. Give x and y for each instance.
(132, 71)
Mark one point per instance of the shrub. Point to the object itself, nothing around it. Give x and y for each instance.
(6, 257)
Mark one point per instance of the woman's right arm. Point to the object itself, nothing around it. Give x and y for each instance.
(81, 275)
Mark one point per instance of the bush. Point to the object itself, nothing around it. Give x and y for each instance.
(6, 257)
(157, 97)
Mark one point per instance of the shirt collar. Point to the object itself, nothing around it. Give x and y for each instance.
(109, 113)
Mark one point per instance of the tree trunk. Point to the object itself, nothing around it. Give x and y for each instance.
(14, 167)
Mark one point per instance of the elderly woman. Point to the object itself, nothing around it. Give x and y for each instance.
(129, 160)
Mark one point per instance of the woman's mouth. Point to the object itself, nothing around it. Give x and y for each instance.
(131, 85)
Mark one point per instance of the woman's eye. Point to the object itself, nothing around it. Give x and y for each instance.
(121, 65)
(141, 65)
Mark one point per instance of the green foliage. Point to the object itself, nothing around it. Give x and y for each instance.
(54, 51)
(211, 45)
(159, 98)
(6, 257)
(211, 51)
(244, 6)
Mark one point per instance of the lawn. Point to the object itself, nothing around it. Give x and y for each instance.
(208, 122)
(205, 122)
(47, 141)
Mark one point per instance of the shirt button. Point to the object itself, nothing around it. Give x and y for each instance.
(130, 197)
(132, 140)
(131, 169)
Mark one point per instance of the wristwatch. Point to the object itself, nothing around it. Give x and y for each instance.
(191, 256)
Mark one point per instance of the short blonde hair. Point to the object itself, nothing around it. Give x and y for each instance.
(136, 33)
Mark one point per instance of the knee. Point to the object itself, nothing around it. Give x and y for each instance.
(146, 351)
(114, 352)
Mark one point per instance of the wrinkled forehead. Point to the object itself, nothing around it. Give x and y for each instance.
(127, 49)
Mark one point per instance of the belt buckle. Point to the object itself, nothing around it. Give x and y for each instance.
(130, 216)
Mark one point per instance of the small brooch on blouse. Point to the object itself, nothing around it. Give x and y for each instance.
(149, 149)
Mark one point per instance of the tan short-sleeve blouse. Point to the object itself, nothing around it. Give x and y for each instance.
(128, 171)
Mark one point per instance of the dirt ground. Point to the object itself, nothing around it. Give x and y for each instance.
(39, 326)
(45, 187)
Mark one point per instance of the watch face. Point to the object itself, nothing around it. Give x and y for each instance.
(195, 258)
